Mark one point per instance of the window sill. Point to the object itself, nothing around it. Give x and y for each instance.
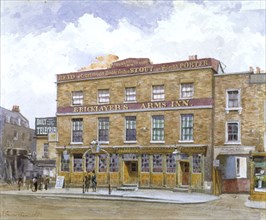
(188, 141)
(76, 143)
(130, 142)
(103, 142)
(157, 142)
(135, 101)
(184, 98)
(239, 109)
(232, 142)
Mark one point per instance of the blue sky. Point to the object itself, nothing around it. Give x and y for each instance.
(40, 39)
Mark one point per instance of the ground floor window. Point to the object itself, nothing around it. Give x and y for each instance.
(65, 162)
(260, 173)
(145, 167)
(170, 163)
(196, 163)
(77, 162)
(157, 163)
(103, 163)
(114, 162)
(90, 162)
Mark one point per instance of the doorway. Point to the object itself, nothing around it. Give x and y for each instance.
(130, 172)
(184, 165)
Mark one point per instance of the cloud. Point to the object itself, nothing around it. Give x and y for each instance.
(32, 60)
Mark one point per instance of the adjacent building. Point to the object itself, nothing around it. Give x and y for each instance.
(17, 145)
(239, 128)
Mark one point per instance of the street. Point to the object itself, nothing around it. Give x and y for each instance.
(230, 206)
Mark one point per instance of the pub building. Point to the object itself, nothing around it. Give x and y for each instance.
(152, 124)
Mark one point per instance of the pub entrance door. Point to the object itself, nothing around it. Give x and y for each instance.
(130, 172)
(184, 173)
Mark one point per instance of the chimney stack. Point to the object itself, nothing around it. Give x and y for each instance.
(15, 108)
(193, 57)
(251, 69)
(257, 70)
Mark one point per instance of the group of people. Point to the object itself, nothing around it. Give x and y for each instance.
(36, 183)
(90, 179)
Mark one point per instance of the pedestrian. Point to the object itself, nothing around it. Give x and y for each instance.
(20, 183)
(35, 184)
(46, 182)
(94, 181)
(87, 182)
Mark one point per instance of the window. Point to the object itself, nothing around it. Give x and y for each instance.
(196, 163)
(78, 162)
(90, 162)
(45, 150)
(186, 127)
(187, 90)
(65, 162)
(157, 163)
(145, 163)
(131, 128)
(241, 167)
(103, 163)
(233, 133)
(130, 94)
(15, 135)
(114, 162)
(77, 130)
(103, 96)
(170, 163)
(103, 129)
(233, 100)
(77, 98)
(158, 128)
(158, 92)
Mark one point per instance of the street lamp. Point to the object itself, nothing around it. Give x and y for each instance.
(97, 149)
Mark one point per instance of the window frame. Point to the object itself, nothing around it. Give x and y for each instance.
(182, 139)
(158, 129)
(187, 92)
(238, 141)
(77, 98)
(158, 92)
(103, 96)
(239, 107)
(80, 120)
(104, 129)
(133, 129)
(133, 94)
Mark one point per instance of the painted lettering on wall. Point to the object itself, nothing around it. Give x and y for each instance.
(44, 126)
(146, 68)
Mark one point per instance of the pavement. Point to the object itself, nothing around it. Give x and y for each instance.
(144, 195)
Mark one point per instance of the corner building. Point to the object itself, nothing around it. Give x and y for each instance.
(139, 113)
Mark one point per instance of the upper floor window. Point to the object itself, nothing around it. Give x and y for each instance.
(15, 135)
(233, 100)
(158, 92)
(130, 94)
(232, 133)
(186, 127)
(131, 128)
(45, 150)
(103, 129)
(187, 90)
(158, 128)
(77, 130)
(77, 98)
(103, 96)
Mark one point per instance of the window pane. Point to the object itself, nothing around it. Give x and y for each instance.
(157, 163)
(233, 99)
(114, 162)
(78, 163)
(77, 98)
(103, 126)
(130, 94)
(170, 163)
(145, 163)
(196, 163)
(103, 96)
(232, 129)
(187, 90)
(77, 130)
(158, 92)
(187, 127)
(158, 128)
(131, 128)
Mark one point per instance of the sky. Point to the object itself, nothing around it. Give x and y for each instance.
(42, 38)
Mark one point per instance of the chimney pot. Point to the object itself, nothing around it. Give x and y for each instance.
(257, 70)
(15, 108)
